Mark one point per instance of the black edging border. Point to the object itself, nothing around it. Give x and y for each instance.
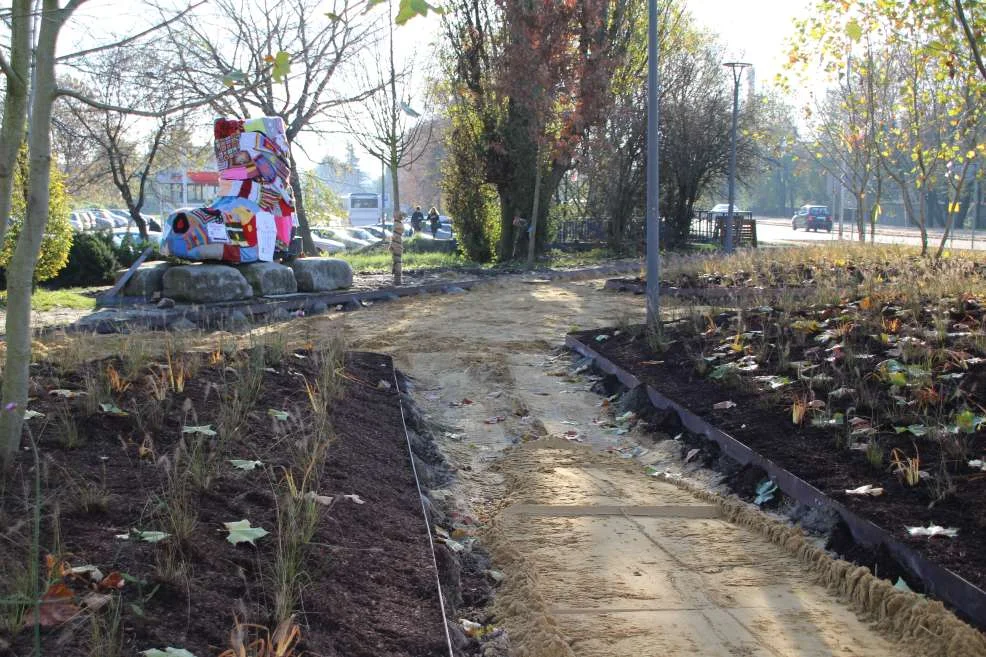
(967, 599)
(218, 315)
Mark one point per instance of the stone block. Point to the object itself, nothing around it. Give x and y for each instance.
(205, 284)
(146, 280)
(322, 274)
(269, 278)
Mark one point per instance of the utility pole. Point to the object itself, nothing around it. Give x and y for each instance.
(653, 176)
(737, 71)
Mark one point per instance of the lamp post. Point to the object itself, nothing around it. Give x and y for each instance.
(653, 177)
(737, 70)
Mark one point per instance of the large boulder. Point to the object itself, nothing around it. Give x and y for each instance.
(206, 284)
(322, 274)
(269, 278)
(146, 279)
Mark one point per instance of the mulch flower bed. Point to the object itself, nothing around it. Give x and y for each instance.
(869, 392)
(142, 464)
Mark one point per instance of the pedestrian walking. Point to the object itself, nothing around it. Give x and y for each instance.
(417, 217)
(433, 220)
(397, 246)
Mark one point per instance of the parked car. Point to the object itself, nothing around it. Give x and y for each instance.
(131, 232)
(152, 223)
(327, 245)
(359, 233)
(723, 208)
(812, 217)
(381, 233)
(339, 235)
(104, 219)
(81, 220)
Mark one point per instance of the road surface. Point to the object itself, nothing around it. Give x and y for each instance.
(778, 231)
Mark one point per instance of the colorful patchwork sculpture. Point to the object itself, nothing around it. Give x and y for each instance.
(253, 217)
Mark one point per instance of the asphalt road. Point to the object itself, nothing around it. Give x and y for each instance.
(778, 231)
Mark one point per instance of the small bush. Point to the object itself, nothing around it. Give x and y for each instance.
(91, 261)
(58, 231)
(417, 244)
(129, 250)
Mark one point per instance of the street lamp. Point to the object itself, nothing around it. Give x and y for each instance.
(737, 70)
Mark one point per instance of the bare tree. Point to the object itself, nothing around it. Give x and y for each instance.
(386, 126)
(127, 78)
(319, 41)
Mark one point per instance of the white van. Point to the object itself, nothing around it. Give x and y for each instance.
(364, 209)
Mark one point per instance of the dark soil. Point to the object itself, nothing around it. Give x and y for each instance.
(763, 420)
(369, 580)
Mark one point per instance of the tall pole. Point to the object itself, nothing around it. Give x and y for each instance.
(737, 70)
(653, 177)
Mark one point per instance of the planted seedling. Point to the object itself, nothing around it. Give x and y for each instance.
(906, 467)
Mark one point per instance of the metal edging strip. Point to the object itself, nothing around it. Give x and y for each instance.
(424, 511)
(967, 599)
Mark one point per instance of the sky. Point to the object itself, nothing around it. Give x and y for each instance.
(753, 31)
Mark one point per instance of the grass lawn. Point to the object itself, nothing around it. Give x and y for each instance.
(50, 299)
(381, 260)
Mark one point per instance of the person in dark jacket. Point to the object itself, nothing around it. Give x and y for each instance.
(416, 218)
(433, 221)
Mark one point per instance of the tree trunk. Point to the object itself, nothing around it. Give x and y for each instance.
(532, 233)
(875, 209)
(20, 273)
(861, 215)
(299, 208)
(14, 105)
(394, 182)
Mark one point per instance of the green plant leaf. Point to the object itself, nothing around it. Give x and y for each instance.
(167, 652)
(113, 409)
(411, 8)
(915, 429)
(205, 430)
(281, 67)
(245, 465)
(853, 30)
(277, 415)
(242, 532)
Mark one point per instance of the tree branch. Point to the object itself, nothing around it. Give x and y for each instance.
(130, 39)
(71, 93)
(971, 38)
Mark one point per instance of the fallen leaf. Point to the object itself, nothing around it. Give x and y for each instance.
(652, 362)
(495, 419)
(724, 405)
(384, 385)
(66, 394)
(602, 338)
(241, 532)
(30, 415)
(146, 536)
(868, 489)
(933, 530)
(167, 652)
(277, 415)
(205, 430)
(324, 500)
(355, 498)
(245, 465)
(112, 409)
(56, 606)
(114, 580)
(95, 601)
(692, 453)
